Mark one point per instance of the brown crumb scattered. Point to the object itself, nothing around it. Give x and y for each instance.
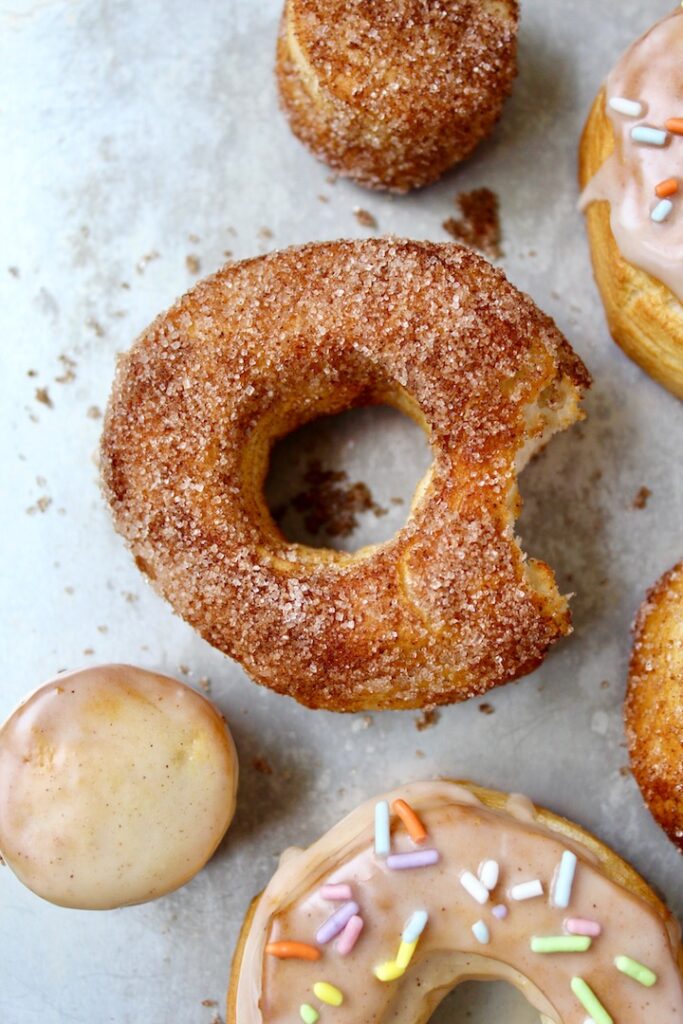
(88, 650)
(323, 198)
(69, 590)
(396, 501)
(103, 629)
(195, 239)
(420, 754)
(262, 765)
(42, 505)
(142, 263)
(94, 412)
(43, 396)
(604, 685)
(479, 225)
(204, 683)
(193, 263)
(129, 596)
(68, 369)
(14, 271)
(125, 285)
(486, 709)
(184, 669)
(332, 179)
(641, 498)
(31, 373)
(95, 326)
(625, 771)
(265, 234)
(427, 719)
(229, 255)
(209, 1002)
(329, 503)
(364, 217)
(216, 1019)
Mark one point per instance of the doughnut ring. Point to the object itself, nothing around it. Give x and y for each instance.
(654, 703)
(450, 606)
(393, 94)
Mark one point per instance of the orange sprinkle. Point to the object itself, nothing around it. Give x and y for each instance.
(675, 125)
(414, 827)
(288, 950)
(668, 187)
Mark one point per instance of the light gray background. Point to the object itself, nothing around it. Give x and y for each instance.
(126, 129)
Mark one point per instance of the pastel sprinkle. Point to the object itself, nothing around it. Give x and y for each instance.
(500, 911)
(288, 950)
(474, 887)
(481, 932)
(674, 125)
(639, 972)
(582, 926)
(666, 188)
(661, 211)
(337, 922)
(631, 108)
(389, 971)
(564, 880)
(419, 859)
(382, 829)
(328, 994)
(308, 1014)
(526, 890)
(410, 820)
(560, 943)
(590, 1002)
(488, 874)
(349, 937)
(335, 893)
(649, 136)
(405, 954)
(415, 926)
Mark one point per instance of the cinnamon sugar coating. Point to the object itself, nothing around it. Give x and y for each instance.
(447, 608)
(392, 94)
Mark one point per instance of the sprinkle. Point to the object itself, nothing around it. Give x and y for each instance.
(666, 188)
(639, 972)
(288, 950)
(349, 937)
(481, 932)
(564, 880)
(560, 943)
(582, 926)
(500, 911)
(631, 108)
(419, 859)
(649, 136)
(488, 874)
(415, 926)
(661, 211)
(389, 971)
(327, 993)
(526, 890)
(474, 887)
(590, 1002)
(413, 825)
(308, 1014)
(405, 954)
(674, 125)
(382, 829)
(337, 922)
(336, 892)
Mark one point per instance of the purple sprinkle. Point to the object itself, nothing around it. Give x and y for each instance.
(337, 922)
(500, 911)
(418, 859)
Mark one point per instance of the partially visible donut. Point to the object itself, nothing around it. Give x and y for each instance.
(654, 703)
(393, 93)
(447, 608)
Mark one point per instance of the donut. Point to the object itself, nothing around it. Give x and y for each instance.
(654, 703)
(437, 883)
(631, 151)
(116, 787)
(447, 608)
(393, 94)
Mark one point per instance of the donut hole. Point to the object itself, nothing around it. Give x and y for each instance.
(480, 1002)
(347, 481)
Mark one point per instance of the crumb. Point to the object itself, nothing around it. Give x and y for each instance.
(625, 771)
(604, 684)
(479, 225)
(216, 1019)
(192, 263)
(88, 650)
(94, 412)
(204, 683)
(265, 234)
(144, 260)
(43, 396)
(329, 504)
(322, 198)
(396, 501)
(364, 217)
(195, 239)
(95, 326)
(184, 669)
(232, 231)
(229, 255)
(427, 719)
(14, 271)
(420, 754)
(68, 590)
(486, 709)
(125, 285)
(129, 596)
(262, 765)
(332, 179)
(68, 369)
(103, 629)
(641, 498)
(41, 481)
(42, 505)
(31, 373)
(209, 1002)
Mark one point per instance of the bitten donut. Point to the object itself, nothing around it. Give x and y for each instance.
(654, 703)
(116, 786)
(630, 159)
(447, 608)
(437, 883)
(393, 94)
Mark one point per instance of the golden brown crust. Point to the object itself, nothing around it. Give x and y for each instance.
(447, 608)
(654, 703)
(645, 318)
(394, 94)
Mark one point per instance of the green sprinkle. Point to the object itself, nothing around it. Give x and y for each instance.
(590, 1002)
(639, 972)
(308, 1014)
(560, 943)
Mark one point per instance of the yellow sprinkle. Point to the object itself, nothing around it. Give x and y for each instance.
(389, 971)
(327, 993)
(405, 954)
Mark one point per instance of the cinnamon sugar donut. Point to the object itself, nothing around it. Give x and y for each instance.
(392, 94)
(447, 608)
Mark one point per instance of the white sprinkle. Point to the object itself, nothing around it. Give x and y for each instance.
(564, 880)
(526, 890)
(481, 932)
(649, 136)
(488, 874)
(474, 887)
(662, 211)
(382, 829)
(500, 911)
(631, 108)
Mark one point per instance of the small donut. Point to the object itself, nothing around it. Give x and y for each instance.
(654, 703)
(381, 921)
(116, 787)
(393, 94)
(629, 161)
(447, 608)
